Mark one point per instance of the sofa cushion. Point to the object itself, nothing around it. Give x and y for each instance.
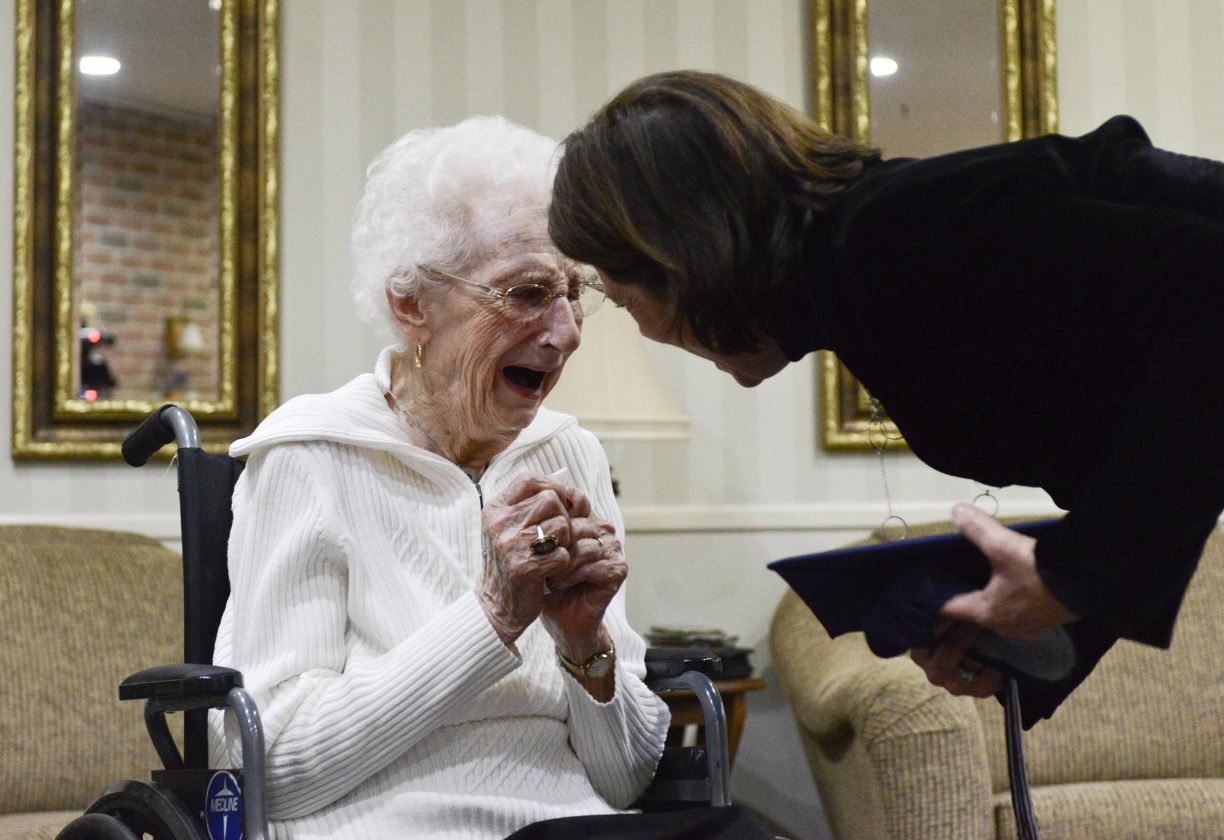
(1186, 809)
(1144, 713)
(45, 825)
(83, 609)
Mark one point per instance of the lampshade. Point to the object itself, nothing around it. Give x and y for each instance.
(610, 384)
(191, 339)
(183, 337)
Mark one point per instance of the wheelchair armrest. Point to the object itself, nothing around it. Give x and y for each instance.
(181, 686)
(687, 669)
(664, 662)
(192, 689)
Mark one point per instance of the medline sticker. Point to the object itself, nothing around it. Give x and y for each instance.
(223, 807)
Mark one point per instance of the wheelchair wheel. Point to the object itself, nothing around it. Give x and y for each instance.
(96, 827)
(148, 810)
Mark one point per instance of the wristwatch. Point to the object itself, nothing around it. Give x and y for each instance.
(599, 665)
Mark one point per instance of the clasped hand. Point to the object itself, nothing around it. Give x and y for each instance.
(1015, 603)
(569, 587)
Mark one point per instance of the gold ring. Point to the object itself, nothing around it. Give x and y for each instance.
(543, 543)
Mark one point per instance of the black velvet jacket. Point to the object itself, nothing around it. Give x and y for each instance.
(1050, 313)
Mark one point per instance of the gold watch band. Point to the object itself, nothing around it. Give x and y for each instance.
(599, 665)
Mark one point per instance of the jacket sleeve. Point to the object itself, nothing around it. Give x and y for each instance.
(1049, 313)
(619, 742)
(1153, 221)
(1130, 545)
(1044, 274)
(331, 721)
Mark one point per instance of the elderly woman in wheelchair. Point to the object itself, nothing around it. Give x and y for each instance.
(426, 565)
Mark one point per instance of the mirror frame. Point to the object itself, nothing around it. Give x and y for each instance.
(840, 103)
(49, 421)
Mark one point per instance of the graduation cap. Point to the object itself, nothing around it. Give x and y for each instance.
(893, 591)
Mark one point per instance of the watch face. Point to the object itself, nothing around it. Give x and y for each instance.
(600, 667)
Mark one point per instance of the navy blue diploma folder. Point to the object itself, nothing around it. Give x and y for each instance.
(892, 592)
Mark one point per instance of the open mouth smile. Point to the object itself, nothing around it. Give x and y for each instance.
(524, 378)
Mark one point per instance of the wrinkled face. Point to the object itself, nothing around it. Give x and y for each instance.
(655, 315)
(490, 364)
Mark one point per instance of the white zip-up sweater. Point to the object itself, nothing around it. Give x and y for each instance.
(391, 709)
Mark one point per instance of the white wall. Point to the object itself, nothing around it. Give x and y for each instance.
(752, 484)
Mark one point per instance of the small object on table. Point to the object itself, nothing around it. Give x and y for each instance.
(735, 660)
(733, 682)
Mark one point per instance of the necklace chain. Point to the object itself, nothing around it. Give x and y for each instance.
(471, 472)
(880, 435)
(395, 402)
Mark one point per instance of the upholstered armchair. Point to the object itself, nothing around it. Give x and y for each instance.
(82, 609)
(1136, 752)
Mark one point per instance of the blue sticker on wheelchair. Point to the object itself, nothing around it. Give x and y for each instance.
(223, 807)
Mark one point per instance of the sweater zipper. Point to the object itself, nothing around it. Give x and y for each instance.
(471, 474)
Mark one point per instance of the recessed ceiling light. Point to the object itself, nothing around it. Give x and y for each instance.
(881, 66)
(99, 65)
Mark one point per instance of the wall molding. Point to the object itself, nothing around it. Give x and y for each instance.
(660, 519)
(644, 519)
(680, 519)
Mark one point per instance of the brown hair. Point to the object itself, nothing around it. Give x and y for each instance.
(696, 187)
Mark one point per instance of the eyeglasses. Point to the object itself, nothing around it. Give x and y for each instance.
(531, 299)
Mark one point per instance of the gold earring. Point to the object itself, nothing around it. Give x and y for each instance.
(419, 358)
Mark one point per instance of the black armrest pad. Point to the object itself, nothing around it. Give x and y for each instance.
(180, 681)
(671, 661)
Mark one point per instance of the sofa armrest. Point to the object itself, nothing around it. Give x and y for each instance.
(892, 755)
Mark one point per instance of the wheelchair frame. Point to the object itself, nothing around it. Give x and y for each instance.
(159, 807)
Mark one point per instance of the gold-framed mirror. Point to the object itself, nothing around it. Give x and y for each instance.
(145, 220)
(962, 75)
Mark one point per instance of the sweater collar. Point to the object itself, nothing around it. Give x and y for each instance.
(357, 414)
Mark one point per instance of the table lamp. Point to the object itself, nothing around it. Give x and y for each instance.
(610, 384)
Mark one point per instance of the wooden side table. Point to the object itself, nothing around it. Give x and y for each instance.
(686, 711)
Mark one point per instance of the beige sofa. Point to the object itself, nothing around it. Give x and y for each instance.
(81, 610)
(1137, 751)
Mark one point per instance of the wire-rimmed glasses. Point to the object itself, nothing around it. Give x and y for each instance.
(531, 299)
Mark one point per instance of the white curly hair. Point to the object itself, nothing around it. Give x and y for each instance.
(415, 211)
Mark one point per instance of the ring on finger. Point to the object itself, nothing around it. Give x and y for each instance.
(966, 676)
(599, 540)
(543, 543)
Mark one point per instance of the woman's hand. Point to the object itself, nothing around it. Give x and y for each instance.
(948, 665)
(1015, 603)
(514, 581)
(573, 612)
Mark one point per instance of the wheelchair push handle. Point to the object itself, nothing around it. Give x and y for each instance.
(168, 423)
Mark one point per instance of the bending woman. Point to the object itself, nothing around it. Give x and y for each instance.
(1045, 313)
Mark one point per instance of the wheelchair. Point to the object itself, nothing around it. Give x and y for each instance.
(188, 800)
